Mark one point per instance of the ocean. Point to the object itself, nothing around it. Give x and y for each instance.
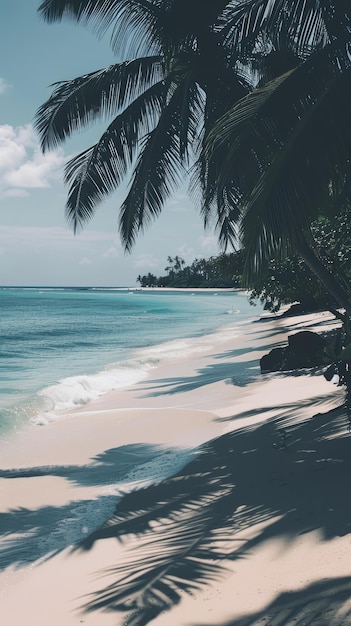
(62, 347)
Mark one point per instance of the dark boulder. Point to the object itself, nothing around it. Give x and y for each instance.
(306, 342)
(272, 362)
(304, 349)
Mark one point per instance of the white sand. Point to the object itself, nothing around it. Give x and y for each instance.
(291, 518)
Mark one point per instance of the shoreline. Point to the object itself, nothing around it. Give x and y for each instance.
(53, 387)
(76, 467)
(126, 288)
(191, 289)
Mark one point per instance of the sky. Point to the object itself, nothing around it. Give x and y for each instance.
(37, 246)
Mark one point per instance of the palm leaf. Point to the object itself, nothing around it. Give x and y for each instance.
(228, 158)
(162, 158)
(294, 24)
(124, 16)
(82, 10)
(276, 150)
(76, 103)
(96, 172)
(189, 115)
(296, 184)
(220, 203)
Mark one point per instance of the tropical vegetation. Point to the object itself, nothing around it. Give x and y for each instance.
(281, 281)
(271, 76)
(224, 271)
(281, 155)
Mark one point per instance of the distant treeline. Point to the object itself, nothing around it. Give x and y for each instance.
(280, 281)
(221, 271)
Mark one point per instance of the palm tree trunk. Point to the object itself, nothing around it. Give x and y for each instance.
(327, 279)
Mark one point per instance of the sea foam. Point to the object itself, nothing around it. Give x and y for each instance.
(72, 392)
(75, 391)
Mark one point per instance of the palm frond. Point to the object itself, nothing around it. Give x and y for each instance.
(296, 25)
(184, 34)
(220, 203)
(189, 115)
(238, 143)
(156, 174)
(162, 159)
(96, 172)
(81, 10)
(296, 185)
(279, 151)
(137, 16)
(227, 160)
(139, 28)
(76, 103)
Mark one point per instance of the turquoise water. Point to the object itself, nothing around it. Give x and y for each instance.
(61, 348)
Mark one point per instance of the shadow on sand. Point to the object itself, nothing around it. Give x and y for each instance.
(180, 534)
(239, 371)
(325, 603)
(27, 535)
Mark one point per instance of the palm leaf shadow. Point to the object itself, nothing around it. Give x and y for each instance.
(322, 603)
(179, 535)
(183, 528)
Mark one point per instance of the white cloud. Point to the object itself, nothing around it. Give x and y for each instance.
(185, 252)
(12, 150)
(50, 236)
(111, 253)
(146, 260)
(85, 261)
(4, 85)
(179, 203)
(22, 164)
(16, 193)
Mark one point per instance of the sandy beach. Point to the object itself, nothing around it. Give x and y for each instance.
(231, 490)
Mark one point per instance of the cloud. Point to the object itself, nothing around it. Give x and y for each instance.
(51, 236)
(185, 252)
(85, 261)
(4, 85)
(22, 164)
(16, 193)
(12, 149)
(146, 260)
(111, 253)
(179, 203)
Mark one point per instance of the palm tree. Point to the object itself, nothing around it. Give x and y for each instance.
(276, 160)
(178, 77)
(281, 155)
